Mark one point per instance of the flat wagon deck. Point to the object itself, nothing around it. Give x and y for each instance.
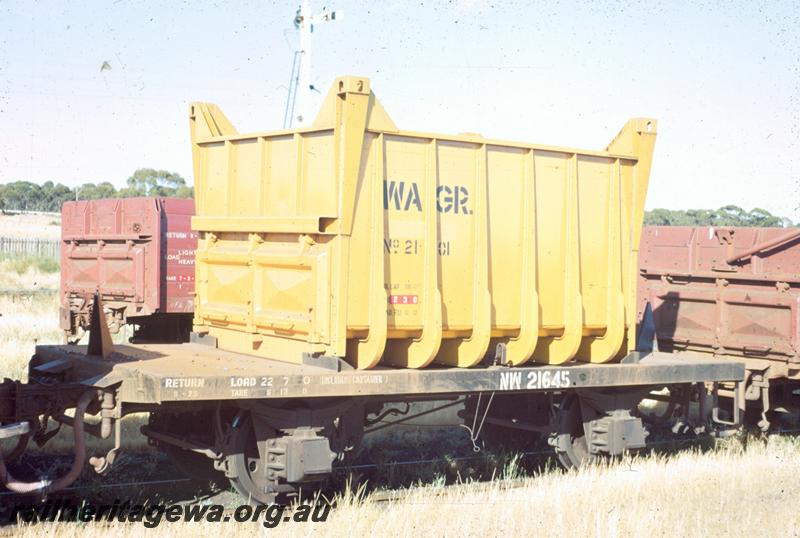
(271, 426)
(159, 373)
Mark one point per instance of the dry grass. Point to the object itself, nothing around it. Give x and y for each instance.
(25, 322)
(29, 272)
(739, 489)
(30, 226)
(29, 279)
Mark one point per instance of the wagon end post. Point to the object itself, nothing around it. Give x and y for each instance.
(99, 335)
(634, 146)
(637, 139)
(206, 120)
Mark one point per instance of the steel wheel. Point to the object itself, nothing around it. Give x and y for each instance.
(569, 441)
(246, 469)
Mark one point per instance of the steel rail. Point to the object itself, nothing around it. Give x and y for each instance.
(546, 452)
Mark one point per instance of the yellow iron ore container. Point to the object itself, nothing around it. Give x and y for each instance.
(355, 239)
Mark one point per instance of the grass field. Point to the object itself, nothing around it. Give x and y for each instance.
(26, 320)
(30, 225)
(737, 489)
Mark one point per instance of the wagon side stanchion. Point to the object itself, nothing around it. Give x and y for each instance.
(737, 409)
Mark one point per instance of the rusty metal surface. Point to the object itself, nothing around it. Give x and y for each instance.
(180, 244)
(24, 401)
(725, 291)
(137, 252)
(160, 373)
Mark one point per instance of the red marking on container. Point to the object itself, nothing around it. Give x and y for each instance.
(403, 299)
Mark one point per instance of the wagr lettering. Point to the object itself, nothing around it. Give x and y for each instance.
(404, 196)
(510, 380)
(548, 379)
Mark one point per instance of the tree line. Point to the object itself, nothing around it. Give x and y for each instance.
(49, 196)
(729, 215)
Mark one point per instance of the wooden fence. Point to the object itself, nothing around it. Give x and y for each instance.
(13, 246)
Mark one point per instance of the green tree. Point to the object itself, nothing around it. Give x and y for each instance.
(22, 195)
(57, 195)
(49, 196)
(729, 215)
(90, 191)
(658, 217)
(27, 196)
(762, 217)
(150, 182)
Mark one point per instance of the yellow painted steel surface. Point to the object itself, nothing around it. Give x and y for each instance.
(355, 239)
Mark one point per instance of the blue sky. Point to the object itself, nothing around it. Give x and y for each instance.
(724, 82)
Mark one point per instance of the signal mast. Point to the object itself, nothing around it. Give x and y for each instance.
(300, 84)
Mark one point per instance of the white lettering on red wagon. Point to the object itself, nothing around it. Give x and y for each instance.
(181, 235)
(180, 278)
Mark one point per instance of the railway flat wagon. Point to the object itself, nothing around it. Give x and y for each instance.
(730, 292)
(138, 254)
(350, 264)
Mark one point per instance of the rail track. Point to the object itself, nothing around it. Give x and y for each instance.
(230, 500)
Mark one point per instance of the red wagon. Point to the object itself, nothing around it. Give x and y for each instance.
(138, 253)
